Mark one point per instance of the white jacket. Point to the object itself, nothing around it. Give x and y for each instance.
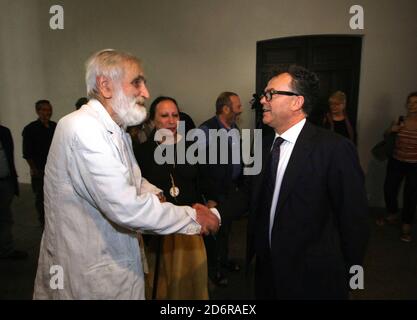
(95, 200)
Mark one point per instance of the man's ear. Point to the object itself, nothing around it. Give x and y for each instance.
(226, 109)
(299, 103)
(104, 87)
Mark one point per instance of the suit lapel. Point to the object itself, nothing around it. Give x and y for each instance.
(256, 217)
(266, 147)
(298, 158)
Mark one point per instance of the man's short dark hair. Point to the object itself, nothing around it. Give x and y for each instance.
(40, 103)
(304, 82)
(80, 102)
(412, 94)
(224, 100)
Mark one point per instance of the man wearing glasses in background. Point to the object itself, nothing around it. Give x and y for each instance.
(308, 221)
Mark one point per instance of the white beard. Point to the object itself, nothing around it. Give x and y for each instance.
(130, 111)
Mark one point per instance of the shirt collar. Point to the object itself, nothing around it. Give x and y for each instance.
(108, 122)
(292, 133)
(222, 125)
(40, 123)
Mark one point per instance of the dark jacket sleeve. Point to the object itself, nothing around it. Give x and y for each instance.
(28, 152)
(9, 148)
(349, 202)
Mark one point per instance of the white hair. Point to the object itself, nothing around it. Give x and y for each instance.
(107, 63)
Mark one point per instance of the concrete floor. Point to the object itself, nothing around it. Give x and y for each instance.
(390, 265)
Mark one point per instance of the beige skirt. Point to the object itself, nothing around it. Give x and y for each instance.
(182, 267)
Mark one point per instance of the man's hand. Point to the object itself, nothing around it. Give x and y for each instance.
(208, 220)
(396, 127)
(34, 171)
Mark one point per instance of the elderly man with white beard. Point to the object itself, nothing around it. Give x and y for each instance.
(95, 197)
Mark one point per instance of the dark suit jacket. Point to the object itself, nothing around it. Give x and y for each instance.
(7, 142)
(321, 221)
(220, 175)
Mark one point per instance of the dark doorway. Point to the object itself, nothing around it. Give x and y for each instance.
(335, 59)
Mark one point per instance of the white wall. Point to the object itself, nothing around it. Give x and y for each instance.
(194, 49)
(21, 69)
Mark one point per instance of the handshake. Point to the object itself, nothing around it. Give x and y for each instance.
(209, 222)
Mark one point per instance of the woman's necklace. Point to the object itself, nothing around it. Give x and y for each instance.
(174, 191)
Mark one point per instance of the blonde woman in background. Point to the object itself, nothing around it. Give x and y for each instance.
(336, 119)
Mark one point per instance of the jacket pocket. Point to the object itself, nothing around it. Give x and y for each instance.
(113, 280)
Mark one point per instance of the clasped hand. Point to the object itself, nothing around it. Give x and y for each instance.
(207, 219)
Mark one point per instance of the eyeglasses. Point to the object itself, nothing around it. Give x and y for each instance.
(269, 94)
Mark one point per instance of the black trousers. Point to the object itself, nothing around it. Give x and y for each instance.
(6, 220)
(217, 247)
(264, 282)
(37, 188)
(397, 172)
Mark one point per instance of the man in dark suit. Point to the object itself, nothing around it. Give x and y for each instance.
(225, 177)
(8, 189)
(308, 221)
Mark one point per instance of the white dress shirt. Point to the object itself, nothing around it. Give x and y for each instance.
(290, 138)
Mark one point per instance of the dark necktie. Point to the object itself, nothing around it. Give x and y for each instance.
(270, 175)
(273, 164)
